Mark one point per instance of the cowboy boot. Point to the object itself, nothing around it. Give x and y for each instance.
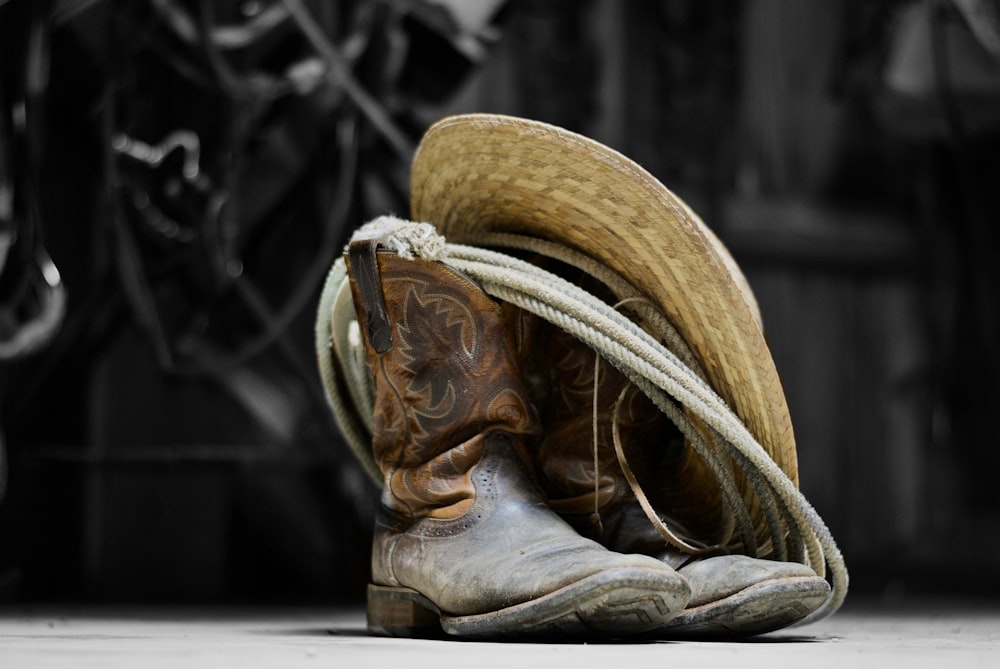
(464, 541)
(585, 484)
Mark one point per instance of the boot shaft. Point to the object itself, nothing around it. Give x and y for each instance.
(577, 450)
(578, 466)
(445, 372)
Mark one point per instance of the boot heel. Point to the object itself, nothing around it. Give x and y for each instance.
(401, 612)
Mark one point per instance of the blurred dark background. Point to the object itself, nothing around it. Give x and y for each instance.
(192, 169)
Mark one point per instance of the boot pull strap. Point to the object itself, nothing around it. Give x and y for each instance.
(363, 256)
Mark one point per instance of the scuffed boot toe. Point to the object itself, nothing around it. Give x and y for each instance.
(736, 595)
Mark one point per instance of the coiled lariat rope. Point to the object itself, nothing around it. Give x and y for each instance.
(678, 388)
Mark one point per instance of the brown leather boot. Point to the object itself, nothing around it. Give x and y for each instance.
(464, 539)
(585, 484)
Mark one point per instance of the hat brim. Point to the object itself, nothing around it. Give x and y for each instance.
(477, 173)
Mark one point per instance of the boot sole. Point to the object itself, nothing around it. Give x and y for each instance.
(620, 602)
(761, 608)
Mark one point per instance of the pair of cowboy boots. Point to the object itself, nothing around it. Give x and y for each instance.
(466, 540)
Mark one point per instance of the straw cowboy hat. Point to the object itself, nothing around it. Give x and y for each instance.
(479, 174)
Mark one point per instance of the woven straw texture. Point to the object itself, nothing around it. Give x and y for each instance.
(481, 173)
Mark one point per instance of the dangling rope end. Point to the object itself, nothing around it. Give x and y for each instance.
(407, 238)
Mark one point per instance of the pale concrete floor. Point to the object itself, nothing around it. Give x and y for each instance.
(863, 634)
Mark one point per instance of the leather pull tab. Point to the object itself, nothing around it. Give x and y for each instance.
(363, 257)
